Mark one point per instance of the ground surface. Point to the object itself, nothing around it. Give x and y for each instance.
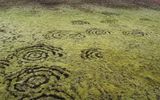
(85, 53)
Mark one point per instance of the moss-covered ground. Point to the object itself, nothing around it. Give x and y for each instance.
(84, 53)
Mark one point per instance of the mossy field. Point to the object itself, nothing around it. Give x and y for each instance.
(87, 52)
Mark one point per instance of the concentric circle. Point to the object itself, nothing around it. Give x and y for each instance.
(134, 32)
(92, 53)
(109, 21)
(35, 55)
(38, 53)
(77, 36)
(97, 31)
(80, 22)
(56, 34)
(38, 83)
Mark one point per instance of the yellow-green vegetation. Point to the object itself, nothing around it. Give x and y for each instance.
(84, 53)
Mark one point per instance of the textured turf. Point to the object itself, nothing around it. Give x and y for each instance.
(84, 53)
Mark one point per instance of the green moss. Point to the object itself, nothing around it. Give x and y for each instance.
(125, 66)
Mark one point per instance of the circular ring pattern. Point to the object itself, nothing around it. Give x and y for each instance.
(97, 31)
(56, 34)
(80, 22)
(134, 32)
(38, 53)
(91, 53)
(77, 36)
(110, 21)
(38, 83)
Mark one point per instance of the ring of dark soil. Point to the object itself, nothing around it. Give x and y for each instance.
(92, 53)
(56, 34)
(97, 31)
(80, 22)
(109, 21)
(36, 53)
(38, 83)
(135, 32)
(77, 36)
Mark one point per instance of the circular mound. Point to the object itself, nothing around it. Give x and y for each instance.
(56, 34)
(97, 31)
(38, 83)
(80, 22)
(91, 53)
(38, 52)
(3, 65)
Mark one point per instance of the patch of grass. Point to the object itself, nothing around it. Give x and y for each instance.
(98, 65)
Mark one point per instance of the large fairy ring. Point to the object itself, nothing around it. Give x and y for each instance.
(77, 36)
(36, 53)
(92, 53)
(97, 31)
(134, 32)
(38, 83)
(80, 22)
(56, 34)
